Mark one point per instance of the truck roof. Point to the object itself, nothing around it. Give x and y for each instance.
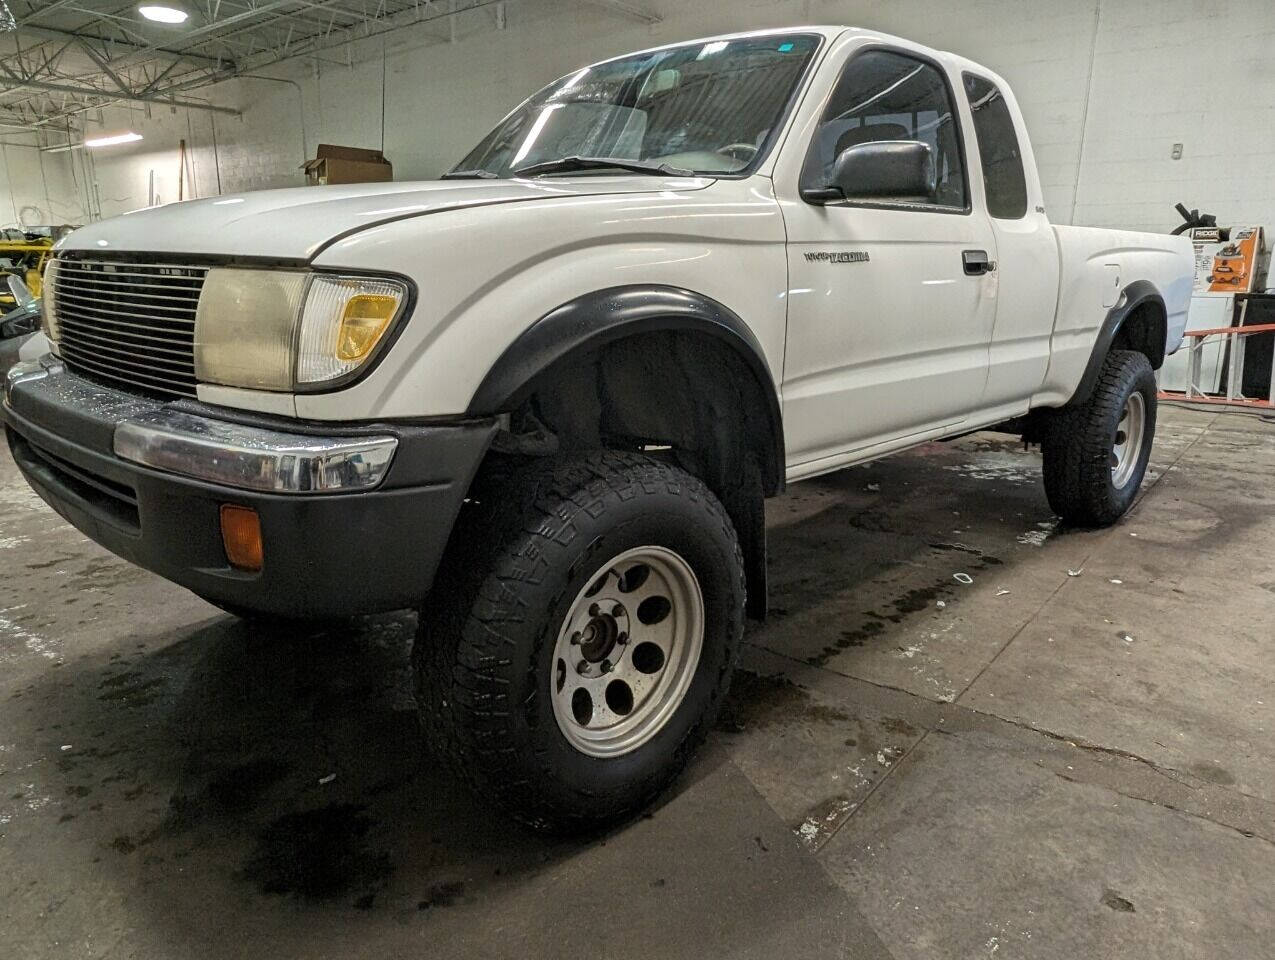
(829, 32)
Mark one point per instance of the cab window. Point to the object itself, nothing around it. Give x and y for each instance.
(1003, 178)
(884, 95)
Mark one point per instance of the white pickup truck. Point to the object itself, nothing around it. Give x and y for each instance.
(542, 399)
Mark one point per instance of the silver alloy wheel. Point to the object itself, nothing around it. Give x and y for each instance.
(627, 651)
(1128, 442)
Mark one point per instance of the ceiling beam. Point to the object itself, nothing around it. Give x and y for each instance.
(113, 95)
(41, 11)
(47, 33)
(340, 36)
(210, 28)
(104, 65)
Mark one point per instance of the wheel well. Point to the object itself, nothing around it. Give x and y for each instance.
(1143, 330)
(681, 395)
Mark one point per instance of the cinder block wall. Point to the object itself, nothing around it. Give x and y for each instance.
(1108, 86)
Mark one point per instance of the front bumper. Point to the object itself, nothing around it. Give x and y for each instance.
(354, 518)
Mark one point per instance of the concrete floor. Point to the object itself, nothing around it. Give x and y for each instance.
(1046, 765)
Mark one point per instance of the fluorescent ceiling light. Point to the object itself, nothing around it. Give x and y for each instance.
(163, 14)
(112, 139)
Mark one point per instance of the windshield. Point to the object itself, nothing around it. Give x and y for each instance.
(707, 108)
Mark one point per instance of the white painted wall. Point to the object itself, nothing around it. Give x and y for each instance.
(36, 188)
(1108, 86)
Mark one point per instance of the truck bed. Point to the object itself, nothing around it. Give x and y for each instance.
(1095, 265)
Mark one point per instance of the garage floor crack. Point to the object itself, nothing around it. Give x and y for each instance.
(1247, 834)
(1082, 744)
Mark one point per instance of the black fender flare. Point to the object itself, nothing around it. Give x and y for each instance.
(605, 316)
(1135, 295)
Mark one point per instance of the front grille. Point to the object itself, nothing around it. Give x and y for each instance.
(130, 325)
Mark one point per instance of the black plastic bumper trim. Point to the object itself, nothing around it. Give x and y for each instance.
(325, 556)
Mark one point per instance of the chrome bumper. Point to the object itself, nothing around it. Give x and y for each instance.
(230, 454)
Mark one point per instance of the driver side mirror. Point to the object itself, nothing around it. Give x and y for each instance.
(880, 170)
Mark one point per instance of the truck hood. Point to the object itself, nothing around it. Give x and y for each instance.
(297, 223)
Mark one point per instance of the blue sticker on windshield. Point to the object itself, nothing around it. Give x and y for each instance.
(785, 47)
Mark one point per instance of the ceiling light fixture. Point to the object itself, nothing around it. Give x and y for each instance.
(112, 139)
(161, 14)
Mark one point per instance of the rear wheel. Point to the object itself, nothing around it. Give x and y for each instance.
(1095, 454)
(580, 636)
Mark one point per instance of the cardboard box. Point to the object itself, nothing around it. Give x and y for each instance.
(337, 164)
(1223, 268)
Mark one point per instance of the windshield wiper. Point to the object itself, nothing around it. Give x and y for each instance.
(567, 164)
(470, 175)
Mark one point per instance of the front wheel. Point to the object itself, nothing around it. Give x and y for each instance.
(580, 636)
(1095, 454)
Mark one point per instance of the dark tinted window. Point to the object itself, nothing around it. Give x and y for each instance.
(998, 144)
(886, 96)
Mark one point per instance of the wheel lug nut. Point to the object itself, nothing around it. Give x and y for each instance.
(575, 637)
(617, 611)
(593, 609)
(606, 666)
(582, 667)
(622, 638)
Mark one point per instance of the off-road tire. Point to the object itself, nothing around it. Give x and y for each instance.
(1078, 441)
(528, 541)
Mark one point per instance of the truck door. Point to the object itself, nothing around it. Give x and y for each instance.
(1026, 248)
(890, 304)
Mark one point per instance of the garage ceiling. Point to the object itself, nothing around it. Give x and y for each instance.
(59, 58)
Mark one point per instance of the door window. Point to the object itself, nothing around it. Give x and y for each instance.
(883, 95)
(1003, 178)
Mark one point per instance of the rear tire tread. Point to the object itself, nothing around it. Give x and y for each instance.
(1077, 445)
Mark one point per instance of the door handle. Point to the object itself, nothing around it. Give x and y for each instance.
(976, 263)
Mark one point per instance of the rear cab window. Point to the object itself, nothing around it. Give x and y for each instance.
(1004, 181)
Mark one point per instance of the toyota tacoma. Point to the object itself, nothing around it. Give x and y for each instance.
(542, 399)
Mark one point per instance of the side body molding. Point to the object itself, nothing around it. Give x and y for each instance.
(606, 316)
(1135, 295)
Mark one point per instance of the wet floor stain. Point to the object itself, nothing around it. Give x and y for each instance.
(131, 688)
(863, 633)
(242, 786)
(756, 701)
(318, 854)
(447, 894)
(911, 601)
(1212, 773)
(899, 726)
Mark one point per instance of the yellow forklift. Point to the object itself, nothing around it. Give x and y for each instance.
(23, 254)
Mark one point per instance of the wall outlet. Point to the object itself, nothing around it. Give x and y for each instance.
(1176, 152)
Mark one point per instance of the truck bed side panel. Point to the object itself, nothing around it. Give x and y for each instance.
(1095, 266)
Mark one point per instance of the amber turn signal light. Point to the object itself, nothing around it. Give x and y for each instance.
(241, 536)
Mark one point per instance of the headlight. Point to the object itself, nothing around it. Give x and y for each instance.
(289, 329)
(46, 301)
